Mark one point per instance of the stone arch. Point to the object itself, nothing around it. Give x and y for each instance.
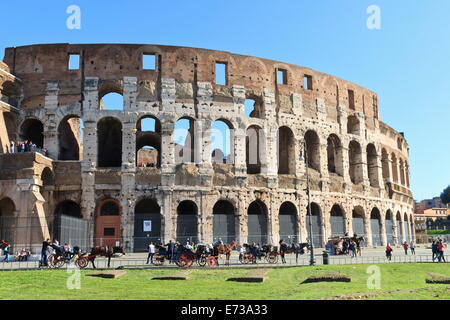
(222, 141)
(353, 125)
(316, 223)
(33, 130)
(287, 219)
(400, 229)
(312, 147)
(337, 221)
(110, 94)
(109, 142)
(385, 164)
(254, 147)
(335, 155)
(358, 221)
(7, 217)
(402, 172)
(187, 221)
(286, 151)
(372, 165)
(70, 138)
(148, 142)
(147, 224)
(108, 223)
(406, 227)
(389, 226)
(224, 225)
(394, 168)
(257, 222)
(184, 139)
(375, 224)
(355, 162)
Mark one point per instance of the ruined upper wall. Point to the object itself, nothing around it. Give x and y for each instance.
(38, 64)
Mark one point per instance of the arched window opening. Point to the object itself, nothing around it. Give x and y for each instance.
(385, 163)
(358, 218)
(288, 222)
(372, 165)
(337, 221)
(109, 135)
(253, 108)
(334, 155)
(375, 224)
(184, 140)
(394, 168)
(286, 151)
(316, 223)
(224, 221)
(7, 219)
(402, 172)
(70, 138)
(221, 142)
(148, 142)
(112, 101)
(33, 130)
(389, 225)
(355, 162)
(257, 222)
(312, 144)
(254, 141)
(353, 125)
(187, 216)
(108, 224)
(147, 224)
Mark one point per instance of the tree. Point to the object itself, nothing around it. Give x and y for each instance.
(445, 195)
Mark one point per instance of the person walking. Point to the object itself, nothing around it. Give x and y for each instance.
(171, 250)
(412, 247)
(440, 251)
(434, 249)
(389, 252)
(6, 252)
(405, 246)
(151, 252)
(352, 248)
(44, 252)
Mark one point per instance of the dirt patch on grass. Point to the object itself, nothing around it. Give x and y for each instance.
(259, 275)
(182, 275)
(329, 277)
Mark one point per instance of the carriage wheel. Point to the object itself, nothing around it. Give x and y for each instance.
(185, 261)
(82, 262)
(202, 261)
(50, 261)
(212, 261)
(248, 258)
(158, 259)
(272, 258)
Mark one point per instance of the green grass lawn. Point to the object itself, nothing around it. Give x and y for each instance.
(437, 232)
(398, 281)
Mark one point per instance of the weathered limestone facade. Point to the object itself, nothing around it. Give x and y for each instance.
(358, 165)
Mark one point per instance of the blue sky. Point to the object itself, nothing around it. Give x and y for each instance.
(406, 62)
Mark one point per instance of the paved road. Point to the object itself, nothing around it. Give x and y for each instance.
(369, 256)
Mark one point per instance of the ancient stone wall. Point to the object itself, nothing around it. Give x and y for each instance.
(355, 161)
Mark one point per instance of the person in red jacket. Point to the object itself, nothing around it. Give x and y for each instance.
(405, 246)
(388, 252)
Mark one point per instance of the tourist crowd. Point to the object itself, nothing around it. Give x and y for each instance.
(25, 146)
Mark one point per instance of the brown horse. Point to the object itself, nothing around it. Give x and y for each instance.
(225, 250)
(107, 252)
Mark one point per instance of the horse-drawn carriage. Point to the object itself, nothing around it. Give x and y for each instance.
(271, 253)
(340, 245)
(59, 258)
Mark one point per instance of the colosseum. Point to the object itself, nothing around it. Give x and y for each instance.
(150, 168)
